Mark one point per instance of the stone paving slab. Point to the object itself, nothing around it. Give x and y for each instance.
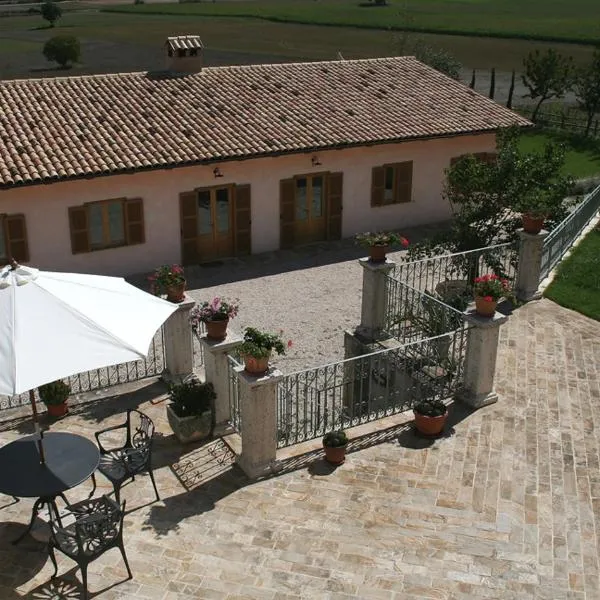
(506, 505)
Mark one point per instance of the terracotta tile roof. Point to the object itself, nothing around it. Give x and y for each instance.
(184, 42)
(65, 127)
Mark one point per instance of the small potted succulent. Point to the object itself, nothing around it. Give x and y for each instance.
(215, 314)
(169, 280)
(54, 395)
(335, 443)
(488, 289)
(257, 347)
(379, 243)
(430, 416)
(191, 408)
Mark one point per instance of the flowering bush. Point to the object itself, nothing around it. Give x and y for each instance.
(218, 309)
(259, 344)
(381, 238)
(491, 287)
(165, 277)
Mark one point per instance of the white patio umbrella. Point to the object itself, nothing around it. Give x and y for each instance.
(53, 325)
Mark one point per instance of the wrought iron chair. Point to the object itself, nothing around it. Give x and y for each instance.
(134, 457)
(98, 527)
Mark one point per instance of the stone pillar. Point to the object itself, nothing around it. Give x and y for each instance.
(480, 359)
(374, 299)
(179, 345)
(216, 368)
(529, 267)
(258, 407)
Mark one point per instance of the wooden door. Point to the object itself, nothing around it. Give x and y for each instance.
(310, 209)
(214, 237)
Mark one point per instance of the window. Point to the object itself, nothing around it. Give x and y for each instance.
(181, 52)
(392, 184)
(487, 157)
(13, 239)
(106, 224)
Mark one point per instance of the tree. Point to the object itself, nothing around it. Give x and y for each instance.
(437, 58)
(511, 90)
(547, 75)
(63, 49)
(493, 83)
(484, 194)
(51, 12)
(587, 89)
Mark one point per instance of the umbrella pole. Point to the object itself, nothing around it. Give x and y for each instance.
(36, 424)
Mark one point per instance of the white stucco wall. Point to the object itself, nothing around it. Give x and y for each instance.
(46, 206)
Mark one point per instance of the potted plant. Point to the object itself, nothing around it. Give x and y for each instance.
(535, 206)
(190, 411)
(379, 243)
(215, 314)
(257, 347)
(335, 443)
(169, 280)
(488, 289)
(430, 416)
(54, 395)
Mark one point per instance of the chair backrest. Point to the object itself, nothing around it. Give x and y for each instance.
(141, 430)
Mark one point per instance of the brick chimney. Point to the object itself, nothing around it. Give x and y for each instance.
(184, 53)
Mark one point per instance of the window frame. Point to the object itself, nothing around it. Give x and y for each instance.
(309, 197)
(106, 223)
(395, 187)
(212, 190)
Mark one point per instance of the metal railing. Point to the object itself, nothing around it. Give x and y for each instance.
(105, 377)
(448, 275)
(234, 360)
(366, 388)
(561, 238)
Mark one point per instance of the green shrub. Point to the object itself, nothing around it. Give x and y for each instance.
(335, 439)
(191, 398)
(63, 49)
(55, 392)
(430, 408)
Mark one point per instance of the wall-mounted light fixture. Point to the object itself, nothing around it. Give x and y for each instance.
(315, 161)
(217, 172)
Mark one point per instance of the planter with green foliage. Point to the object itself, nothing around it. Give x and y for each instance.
(430, 416)
(379, 243)
(191, 409)
(335, 443)
(257, 347)
(54, 395)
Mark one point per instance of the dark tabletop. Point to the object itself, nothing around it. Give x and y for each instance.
(70, 460)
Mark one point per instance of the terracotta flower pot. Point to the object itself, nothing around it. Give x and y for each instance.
(430, 425)
(216, 330)
(532, 224)
(377, 253)
(176, 293)
(485, 308)
(57, 410)
(256, 366)
(335, 455)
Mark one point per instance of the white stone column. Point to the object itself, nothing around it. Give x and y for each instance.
(530, 263)
(374, 299)
(178, 342)
(480, 359)
(216, 368)
(258, 408)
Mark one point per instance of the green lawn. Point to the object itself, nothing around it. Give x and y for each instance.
(583, 155)
(574, 21)
(577, 281)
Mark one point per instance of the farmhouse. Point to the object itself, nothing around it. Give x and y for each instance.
(117, 173)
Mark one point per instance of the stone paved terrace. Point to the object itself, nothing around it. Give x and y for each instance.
(506, 506)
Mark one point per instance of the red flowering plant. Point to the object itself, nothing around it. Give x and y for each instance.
(218, 309)
(491, 288)
(381, 238)
(164, 277)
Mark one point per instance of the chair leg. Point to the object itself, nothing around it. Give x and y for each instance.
(117, 488)
(83, 568)
(153, 483)
(53, 559)
(94, 486)
(122, 549)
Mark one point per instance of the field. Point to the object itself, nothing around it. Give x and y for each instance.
(574, 21)
(577, 282)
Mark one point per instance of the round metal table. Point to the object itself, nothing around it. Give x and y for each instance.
(70, 459)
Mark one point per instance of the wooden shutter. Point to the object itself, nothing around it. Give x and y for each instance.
(78, 223)
(243, 238)
(287, 196)
(377, 186)
(404, 181)
(189, 227)
(134, 221)
(335, 186)
(16, 238)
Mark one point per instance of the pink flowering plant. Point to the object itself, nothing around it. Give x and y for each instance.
(164, 277)
(381, 238)
(218, 309)
(260, 344)
(491, 288)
